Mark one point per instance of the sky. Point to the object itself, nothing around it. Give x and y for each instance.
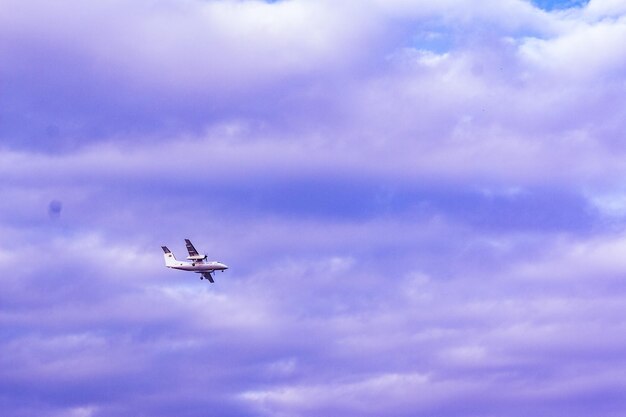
(422, 205)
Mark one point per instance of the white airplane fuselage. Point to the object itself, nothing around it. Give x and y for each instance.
(197, 266)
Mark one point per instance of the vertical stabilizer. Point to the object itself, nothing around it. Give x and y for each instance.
(169, 256)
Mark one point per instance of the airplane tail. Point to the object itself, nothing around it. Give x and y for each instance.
(169, 256)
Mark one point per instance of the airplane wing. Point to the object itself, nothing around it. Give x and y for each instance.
(192, 251)
(208, 276)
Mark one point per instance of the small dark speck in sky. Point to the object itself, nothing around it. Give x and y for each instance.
(54, 209)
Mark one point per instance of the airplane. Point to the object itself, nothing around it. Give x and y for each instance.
(196, 262)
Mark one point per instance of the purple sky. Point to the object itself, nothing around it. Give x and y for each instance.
(422, 204)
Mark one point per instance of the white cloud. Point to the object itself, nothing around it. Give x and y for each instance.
(599, 9)
(587, 52)
(193, 46)
(612, 204)
(370, 395)
(598, 259)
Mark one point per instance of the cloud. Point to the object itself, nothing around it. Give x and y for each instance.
(564, 55)
(605, 8)
(216, 61)
(419, 204)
